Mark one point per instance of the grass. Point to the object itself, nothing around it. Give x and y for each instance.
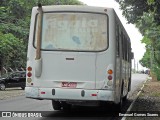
(151, 89)
(155, 94)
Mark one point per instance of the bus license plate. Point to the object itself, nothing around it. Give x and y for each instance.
(69, 84)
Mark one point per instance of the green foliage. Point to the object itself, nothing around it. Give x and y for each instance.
(67, 2)
(151, 32)
(146, 15)
(145, 61)
(134, 9)
(11, 50)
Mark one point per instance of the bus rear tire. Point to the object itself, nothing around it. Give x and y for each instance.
(125, 98)
(56, 105)
(66, 106)
(120, 104)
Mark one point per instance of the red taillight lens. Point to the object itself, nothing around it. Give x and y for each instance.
(43, 92)
(109, 77)
(29, 68)
(94, 94)
(29, 74)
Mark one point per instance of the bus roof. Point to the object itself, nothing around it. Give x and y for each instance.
(78, 8)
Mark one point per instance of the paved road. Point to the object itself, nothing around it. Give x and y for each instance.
(21, 103)
(137, 81)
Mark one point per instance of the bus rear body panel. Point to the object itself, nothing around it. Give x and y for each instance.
(68, 68)
(67, 80)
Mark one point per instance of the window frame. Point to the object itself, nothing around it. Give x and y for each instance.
(107, 27)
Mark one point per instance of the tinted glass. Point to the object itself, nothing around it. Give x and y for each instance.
(74, 31)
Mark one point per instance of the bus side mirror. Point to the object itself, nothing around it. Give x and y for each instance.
(132, 55)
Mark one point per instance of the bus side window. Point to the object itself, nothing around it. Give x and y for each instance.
(129, 52)
(125, 48)
(117, 40)
(122, 39)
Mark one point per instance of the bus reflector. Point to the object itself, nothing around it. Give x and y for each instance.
(110, 83)
(29, 74)
(110, 71)
(109, 77)
(29, 80)
(29, 68)
(94, 94)
(43, 92)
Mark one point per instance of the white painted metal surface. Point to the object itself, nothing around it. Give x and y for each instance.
(78, 48)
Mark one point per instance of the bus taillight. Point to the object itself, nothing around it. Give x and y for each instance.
(29, 74)
(110, 71)
(109, 77)
(29, 68)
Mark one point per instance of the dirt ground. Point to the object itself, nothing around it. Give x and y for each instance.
(148, 102)
(152, 89)
(11, 92)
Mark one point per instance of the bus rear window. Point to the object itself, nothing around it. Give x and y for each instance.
(74, 31)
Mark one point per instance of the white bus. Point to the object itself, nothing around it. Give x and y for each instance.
(78, 55)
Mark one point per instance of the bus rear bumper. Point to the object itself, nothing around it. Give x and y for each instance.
(69, 94)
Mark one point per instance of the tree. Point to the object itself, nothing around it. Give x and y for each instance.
(151, 34)
(146, 60)
(145, 14)
(134, 9)
(10, 50)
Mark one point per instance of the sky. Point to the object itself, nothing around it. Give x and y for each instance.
(137, 47)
